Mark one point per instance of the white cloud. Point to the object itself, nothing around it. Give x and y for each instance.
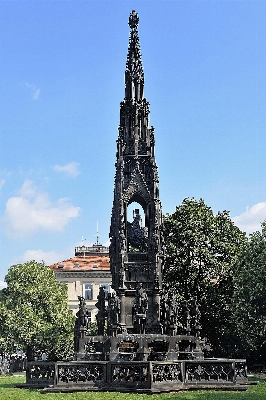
(35, 91)
(249, 221)
(27, 189)
(49, 257)
(2, 182)
(71, 169)
(33, 211)
(2, 285)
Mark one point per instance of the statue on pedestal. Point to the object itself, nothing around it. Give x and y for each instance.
(141, 307)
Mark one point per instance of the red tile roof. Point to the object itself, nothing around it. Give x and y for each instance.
(87, 263)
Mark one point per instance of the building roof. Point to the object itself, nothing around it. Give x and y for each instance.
(87, 263)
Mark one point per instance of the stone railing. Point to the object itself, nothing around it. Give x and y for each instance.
(40, 373)
(149, 376)
(80, 373)
(90, 250)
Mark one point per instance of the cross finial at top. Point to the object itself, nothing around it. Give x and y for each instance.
(133, 19)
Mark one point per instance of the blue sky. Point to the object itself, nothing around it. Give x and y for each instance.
(62, 80)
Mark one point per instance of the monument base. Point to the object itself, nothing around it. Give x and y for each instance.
(138, 376)
(147, 363)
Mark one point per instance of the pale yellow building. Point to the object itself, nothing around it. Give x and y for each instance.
(84, 274)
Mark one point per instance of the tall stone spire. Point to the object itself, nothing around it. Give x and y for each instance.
(136, 250)
(134, 76)
(136, 136)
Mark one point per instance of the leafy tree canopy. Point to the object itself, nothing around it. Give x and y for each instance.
(201, 252)
(34, 312)
(250, 297)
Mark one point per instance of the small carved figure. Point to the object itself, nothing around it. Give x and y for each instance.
(141, 300)
(141, 306)
(187, 319)
(169, 313)
(100, 317)
(121, 276)
(173, 314)
(113, 309)
(164, 313)
(81, 323)
(82, 314)
(195, 317)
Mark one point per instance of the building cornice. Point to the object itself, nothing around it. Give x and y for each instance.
(83, 274)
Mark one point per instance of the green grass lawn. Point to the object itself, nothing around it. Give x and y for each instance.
(9, 392)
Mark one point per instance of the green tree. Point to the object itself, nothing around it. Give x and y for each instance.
(250, 298)
(201, 252)
(34, 312)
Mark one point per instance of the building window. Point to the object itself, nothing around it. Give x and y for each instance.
(95, 266)
(76, 265)
(88, 293)
(106, 288)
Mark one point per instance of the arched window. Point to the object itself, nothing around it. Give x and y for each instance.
(131, 212)
(137, 233)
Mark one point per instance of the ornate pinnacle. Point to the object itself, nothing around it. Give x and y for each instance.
(133, 19)
(134, 77)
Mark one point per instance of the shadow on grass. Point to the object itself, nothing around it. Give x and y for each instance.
(257, 378)
(11, 381)
(254, 392)
(6, 385)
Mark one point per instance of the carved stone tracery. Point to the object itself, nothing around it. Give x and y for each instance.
(80, 373)
(167, 373)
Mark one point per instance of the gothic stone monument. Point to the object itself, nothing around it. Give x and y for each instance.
(143, 349)
(136, 251)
